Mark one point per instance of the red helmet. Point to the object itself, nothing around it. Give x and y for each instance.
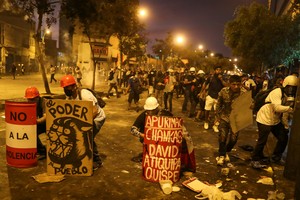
(67, 80)
(31, 92)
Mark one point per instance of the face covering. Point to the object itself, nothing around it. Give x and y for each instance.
(290, 91)
(68, 92)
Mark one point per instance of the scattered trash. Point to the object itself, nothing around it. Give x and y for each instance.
(237, 171)
(166, 186)
(266, 180)
(225, 171)
(273, 195)
(269, 169)
(45, 178)
(188, 174)
(230, 165)
(244, 176)
(175, 189)
(207, 161)
(243, 181)
(125, 171)
(245, 192)
(209, 191)
(228, 179)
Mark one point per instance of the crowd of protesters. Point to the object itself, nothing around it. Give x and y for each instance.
(207, 97)
(204, 96)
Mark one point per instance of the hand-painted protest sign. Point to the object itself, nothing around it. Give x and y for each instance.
(70, 137)
(21, 136)
(162, 148)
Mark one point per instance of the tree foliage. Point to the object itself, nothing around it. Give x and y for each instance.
(100, 19)
(43, 10)
(259, 37)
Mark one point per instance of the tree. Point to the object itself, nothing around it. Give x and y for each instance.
(44, 9)
(100, 19)
(259, 37)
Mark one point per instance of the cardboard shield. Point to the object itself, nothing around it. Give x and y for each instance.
(70, 137)
(162, 148)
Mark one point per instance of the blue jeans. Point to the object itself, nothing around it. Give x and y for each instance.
(96, 129)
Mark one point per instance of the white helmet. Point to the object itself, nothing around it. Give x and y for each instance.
(290, 80)
(201, 72)
(170, 70)
(151, 103)
(192, 69)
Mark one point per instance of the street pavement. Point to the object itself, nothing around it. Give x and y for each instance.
(121, 178)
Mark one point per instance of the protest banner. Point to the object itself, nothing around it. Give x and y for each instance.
(70, 137)
(162, 148)
(21, 136)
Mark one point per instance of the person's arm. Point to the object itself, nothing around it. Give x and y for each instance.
(224, 83)
(42, 119)
(219, 106)
(138, 126)
(135, 131)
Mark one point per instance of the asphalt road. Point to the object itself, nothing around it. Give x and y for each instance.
(121, 178)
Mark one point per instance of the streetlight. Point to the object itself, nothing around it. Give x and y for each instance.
(200, 47)
(143, 13)
(179, 39)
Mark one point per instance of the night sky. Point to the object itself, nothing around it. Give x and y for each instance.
(200, 21)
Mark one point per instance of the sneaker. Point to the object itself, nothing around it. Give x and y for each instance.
(220, 160)
(205, 125)
(257, 165)
(215, 128)
(275, 159)
(97, 165)
(227, 159)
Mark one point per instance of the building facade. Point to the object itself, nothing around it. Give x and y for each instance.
(16, 43)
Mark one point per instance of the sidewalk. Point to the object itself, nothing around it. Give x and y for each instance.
(120, 178)
(15, 89)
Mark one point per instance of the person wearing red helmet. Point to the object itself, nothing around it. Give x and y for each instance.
(32, 94)
(71, 90)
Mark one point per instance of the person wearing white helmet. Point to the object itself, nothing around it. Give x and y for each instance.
(269, 120)
(137, 129)
(151, 107)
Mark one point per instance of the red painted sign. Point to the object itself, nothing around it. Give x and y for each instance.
(162, 148)
(21, 136)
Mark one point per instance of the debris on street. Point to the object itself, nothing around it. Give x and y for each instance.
(45, 178)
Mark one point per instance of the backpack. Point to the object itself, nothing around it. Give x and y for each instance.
(111, 75)
(260, 99)
(100, 101)
(136, 86)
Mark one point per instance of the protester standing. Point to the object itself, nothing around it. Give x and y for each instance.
(227, 138)
(52, 72)
(269, 119)
(169, 88)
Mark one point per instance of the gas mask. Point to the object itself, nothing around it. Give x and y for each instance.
(290, 92)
